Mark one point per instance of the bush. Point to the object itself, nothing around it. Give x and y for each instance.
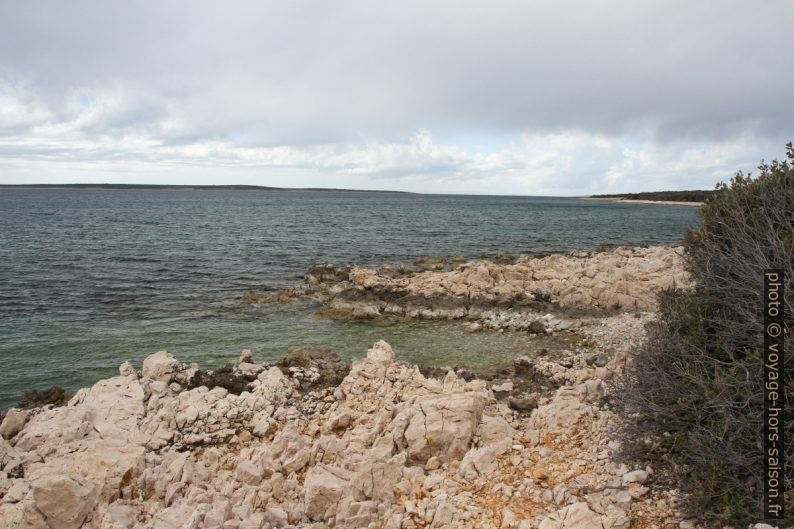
(693, 392)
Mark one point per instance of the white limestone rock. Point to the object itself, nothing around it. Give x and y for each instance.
(63, 501)
(13, 422)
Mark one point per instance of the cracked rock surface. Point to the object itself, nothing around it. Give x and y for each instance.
(528, 293)
(384, 448)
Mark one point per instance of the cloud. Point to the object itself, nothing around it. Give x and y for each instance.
(563, 97)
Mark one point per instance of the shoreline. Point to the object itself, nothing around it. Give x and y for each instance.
(300, 445)
(454, 319)
(526, 293)
(312, 442)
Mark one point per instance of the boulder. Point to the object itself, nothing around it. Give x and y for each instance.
(504, 387)
(433, 463)
(358, 514)
(579, 516)
(274, 517)
(9, 456)
(564, 410)
(443, 515)
(478, 462)
(180, 516)
(119, 516)
(497, 432)
(636, 476)
(248, 473)
(160, 366)
(63, 501)
(126, 369)
(246, 357)
(381, 353)
(443, 425)
(13, 422)
(111, 409)
(375, 480)
(220, 511)
(289, 450)
(22, 515)
(323, 488)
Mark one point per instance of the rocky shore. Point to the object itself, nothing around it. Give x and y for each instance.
(314, 442)
(307, 443)
(527, 293)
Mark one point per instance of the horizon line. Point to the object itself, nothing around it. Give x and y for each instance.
(250, 187)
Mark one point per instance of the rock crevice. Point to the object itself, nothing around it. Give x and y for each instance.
(385, 447)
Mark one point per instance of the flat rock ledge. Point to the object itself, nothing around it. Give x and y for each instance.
(384, 448)
(534, 294)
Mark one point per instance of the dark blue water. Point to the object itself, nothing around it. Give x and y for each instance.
(89, 278)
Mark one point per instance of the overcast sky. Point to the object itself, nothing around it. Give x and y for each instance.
(509, 97)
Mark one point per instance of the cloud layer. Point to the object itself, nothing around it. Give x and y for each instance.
(508, 97)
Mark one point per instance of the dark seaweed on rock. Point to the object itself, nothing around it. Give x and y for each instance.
(36, 398)
(529, 383)
(331, 367)
(224, 377)
(527, 377)
(430, 371)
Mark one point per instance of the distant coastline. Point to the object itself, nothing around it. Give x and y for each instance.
(694, 197)
(647, 201)
(168, 187)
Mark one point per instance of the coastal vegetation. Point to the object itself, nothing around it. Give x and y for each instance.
(695, 386)
(695, 195)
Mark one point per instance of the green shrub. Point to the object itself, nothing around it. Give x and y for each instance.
(692, 397)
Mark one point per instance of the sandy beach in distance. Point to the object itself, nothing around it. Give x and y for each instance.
(663, 202)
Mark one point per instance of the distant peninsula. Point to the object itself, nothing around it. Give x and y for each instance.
(169, 187)
(696, 195)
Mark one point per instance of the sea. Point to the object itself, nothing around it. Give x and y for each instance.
(90, 278)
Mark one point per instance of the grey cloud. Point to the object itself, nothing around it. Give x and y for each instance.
(683, 92)
(316, 72)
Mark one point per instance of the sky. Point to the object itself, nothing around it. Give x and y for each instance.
(500, 97)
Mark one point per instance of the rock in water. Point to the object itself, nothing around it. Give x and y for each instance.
(246, 357)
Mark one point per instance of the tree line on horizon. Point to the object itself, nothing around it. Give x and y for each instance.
(694, 195)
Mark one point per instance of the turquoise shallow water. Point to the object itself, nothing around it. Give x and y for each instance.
(90, 278)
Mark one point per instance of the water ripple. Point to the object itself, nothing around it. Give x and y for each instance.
(91, 278)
